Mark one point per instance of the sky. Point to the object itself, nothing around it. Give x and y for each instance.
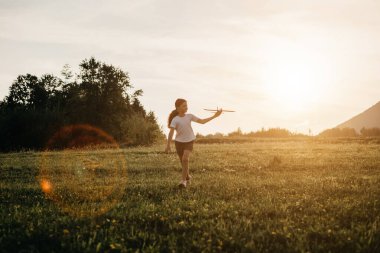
(301, 65)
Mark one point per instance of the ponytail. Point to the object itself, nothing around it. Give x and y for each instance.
(171, 116)
(174, 113)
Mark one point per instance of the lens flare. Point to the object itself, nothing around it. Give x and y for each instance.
(83, 171)
(46, 186)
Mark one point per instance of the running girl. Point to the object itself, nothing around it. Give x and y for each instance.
(180, 121)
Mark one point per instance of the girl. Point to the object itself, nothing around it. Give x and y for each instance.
(180, 121)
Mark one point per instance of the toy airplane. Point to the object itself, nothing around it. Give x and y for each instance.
(213, 110)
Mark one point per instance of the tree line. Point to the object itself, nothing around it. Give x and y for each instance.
(284, 133)
(100, 96)
(270, 133)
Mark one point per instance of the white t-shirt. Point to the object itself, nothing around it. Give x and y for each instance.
(183, 128)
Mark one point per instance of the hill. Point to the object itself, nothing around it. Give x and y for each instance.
(370, 118)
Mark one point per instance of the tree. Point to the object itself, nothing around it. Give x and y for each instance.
(101, 96)
(271, 133)
(238, 132)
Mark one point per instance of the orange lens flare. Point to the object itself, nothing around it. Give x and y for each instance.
(46, 186)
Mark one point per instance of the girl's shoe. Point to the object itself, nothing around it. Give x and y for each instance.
(182, 184)
(188, 178)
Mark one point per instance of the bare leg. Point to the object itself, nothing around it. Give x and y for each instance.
(185, 164)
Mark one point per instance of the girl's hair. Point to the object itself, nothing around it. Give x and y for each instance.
(174, 113)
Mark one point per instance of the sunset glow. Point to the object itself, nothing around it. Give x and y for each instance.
(295, 77)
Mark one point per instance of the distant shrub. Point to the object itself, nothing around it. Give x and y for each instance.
(272, 133)
(215, 135)
(238, 132)
(198, 135)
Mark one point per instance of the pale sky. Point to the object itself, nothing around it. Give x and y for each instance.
(298, 65)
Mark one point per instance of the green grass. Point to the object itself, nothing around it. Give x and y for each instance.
(264, 196)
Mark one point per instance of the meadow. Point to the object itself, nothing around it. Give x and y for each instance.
(278, 195)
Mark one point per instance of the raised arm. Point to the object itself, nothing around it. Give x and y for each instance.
(204, 121)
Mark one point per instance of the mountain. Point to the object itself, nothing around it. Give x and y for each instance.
(368, 119)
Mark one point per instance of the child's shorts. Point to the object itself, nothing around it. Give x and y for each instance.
(181, 146)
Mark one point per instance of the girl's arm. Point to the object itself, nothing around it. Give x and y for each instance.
(203, 121)
(169, 140)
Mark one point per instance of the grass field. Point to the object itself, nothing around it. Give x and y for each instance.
(264, 196)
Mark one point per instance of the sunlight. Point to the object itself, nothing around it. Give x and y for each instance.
(294, 77)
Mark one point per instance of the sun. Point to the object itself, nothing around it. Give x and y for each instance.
(295, 78)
